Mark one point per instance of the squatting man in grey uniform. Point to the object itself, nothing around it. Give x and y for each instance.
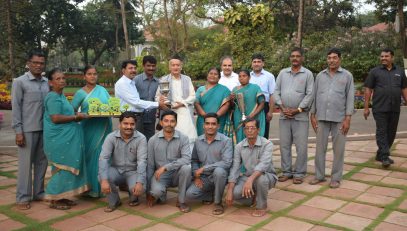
(293, 94)
(211, 159)
(331, 113)
(168, 162)
(123, 160)
(252, 173)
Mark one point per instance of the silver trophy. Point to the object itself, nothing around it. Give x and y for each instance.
(165, 90)
(241, 105)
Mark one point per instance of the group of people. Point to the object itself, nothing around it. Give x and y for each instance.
(226, 147)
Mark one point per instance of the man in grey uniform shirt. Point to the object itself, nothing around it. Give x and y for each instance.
(123, 159)
(331, 113)
(168, 162)
(252, 173)
(147, 84)
(293, 94)
(211, 159)
(28, 93)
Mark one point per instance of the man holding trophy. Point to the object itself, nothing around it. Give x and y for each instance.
(179, 94)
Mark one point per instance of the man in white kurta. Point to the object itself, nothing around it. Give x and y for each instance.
(182, 98)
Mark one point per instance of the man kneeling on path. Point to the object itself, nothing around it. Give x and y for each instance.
(123, 160)
(211, 159)
(252, 173)
(168, 162)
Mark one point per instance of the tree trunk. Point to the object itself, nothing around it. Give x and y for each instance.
(126, 35)
(85, 56)
(402, 32)
(10, 40)
(300, 23)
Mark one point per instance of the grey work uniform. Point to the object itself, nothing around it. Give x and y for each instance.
(333, 100)
(28, 94)
(216, 159)
(147, 89)
(123, 162)
(175, 156)
(246, 161)
(294, 90)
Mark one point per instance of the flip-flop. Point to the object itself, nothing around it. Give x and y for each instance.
(259, 212)
(218, 210)
(59, 206)
(207, 202)
(110, 209)
(133, 203)
(68, 202)
(183, 207)
(23, 206)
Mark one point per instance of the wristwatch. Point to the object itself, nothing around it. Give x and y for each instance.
(299, 109)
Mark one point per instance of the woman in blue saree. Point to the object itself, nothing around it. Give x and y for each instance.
(95, 130)
(252, 103)
(213, 97)
(63, 146)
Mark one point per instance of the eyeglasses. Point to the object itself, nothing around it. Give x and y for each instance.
(250, 128)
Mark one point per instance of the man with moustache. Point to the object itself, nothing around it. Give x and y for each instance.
(266, 81)
(293, 94)
(228, 78)
(252, 173)
(123, 159)
(181, 97)
(388, 82)
(28, 93)
(331, 113)
(125, 89)
(168, 162)
(211, 159)
(147, 84)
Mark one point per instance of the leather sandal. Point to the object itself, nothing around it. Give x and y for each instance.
(184, 207)
(23, 206)
(259, 212)
(218, 210)
(316, 181)
(298, 180)
(112, 208)
(284, 178)
(59, 206)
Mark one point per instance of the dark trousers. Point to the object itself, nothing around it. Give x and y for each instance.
(266, 110)
(147, 128)
(386, 128)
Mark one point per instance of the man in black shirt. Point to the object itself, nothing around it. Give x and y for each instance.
(388, 82)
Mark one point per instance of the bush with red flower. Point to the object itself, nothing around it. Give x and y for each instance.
(5, 96)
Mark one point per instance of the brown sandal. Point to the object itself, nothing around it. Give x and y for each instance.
(23, 206)
(59, 206)
(218, 210)
(298, 180)
(184, 207)
(110, 209)
(259, 212)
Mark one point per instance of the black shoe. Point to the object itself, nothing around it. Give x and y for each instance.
(386, 163)
(391, 161)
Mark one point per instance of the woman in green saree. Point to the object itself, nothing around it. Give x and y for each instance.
(250, 98)
(63, 146)
(95, 130)
(213, 97)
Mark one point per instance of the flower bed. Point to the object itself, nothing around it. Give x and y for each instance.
(5, 97)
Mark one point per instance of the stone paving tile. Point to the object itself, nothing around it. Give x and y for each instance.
(74, 223)
(355, 160)
(366, 177)
(364, 155)
(194, 220)
(277, 205)
(400, 175)
(46, 214)
(398, 161)
(99, 228)
(361, 210)
(281, 185)
(348, 221)
(11, 168)
(348, 167)
(162, 227)
(385, 191)
(10, 224)
(158, 210)
(402, 153)
(9, 199)
(98, 215)
(8, 181)
(322, 228)
(7, 158)
(384, 226)
(310, 213)
(127, 222)
(397, 218)
(375, 199)
(82, 205)
(287, 224)
(305, 187)
(354, 185)
(35, 208)
(3, 217)
(325, 203)
(403, 205)
(375, 171)
(223, 225)
(343, 193)
(283, 195)
(244, 216)
(395, 181)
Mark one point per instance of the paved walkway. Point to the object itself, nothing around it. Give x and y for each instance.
(369, 198)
